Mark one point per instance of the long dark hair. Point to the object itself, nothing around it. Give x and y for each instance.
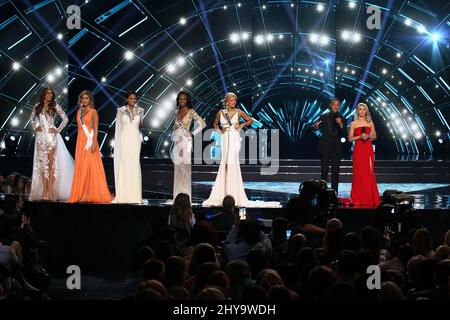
(181, 212)
(188, 97)
(51, 106)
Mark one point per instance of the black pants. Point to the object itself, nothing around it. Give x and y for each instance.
(335, 164)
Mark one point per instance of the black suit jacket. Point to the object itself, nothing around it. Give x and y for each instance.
(330, 142)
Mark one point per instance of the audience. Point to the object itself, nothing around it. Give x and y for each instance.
(190, 257)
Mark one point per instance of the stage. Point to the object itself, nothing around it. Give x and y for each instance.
(101, 237)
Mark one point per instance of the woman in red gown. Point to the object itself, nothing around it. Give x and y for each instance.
(364, 185)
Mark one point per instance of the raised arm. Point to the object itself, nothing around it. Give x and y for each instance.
(248, 120)
(63, 116)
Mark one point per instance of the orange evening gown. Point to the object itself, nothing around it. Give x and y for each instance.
(89, 180)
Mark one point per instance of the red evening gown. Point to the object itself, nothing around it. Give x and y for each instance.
(364, 185)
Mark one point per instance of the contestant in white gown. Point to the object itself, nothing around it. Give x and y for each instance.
(229, 177)
(182, 148)
(127, 150)
(52, 163)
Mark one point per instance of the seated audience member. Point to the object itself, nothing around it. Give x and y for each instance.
(223, 221)
(239, 275)
(246, 235)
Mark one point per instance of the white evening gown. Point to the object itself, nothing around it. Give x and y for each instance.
(62, 162)
(182, 150)
(229, 177)
(127, 150)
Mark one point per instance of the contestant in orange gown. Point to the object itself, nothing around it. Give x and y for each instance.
(89, 181)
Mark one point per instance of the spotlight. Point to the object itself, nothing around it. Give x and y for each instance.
(435, 37)
(166, 143)
(189, 82)
(404, 136)
(353, 71)
(67, 138)
(50, 78)
(356, 37)
(314, 38)
(129, 55)
(384, 71)
(292, 5)
(327, 61)
(12, 138)
(103, 79)
(58, 71)
(156, 123)
(264, 7)
(320, 7)
(408, 22)
(234, 37)
(421, 29)
(245, 35)
(438, 133)
(398, 55)
(343, 140)
(224, 7)
(60, 36)
(239, 4)
(65, 90)
(170, 68)
(345, 69)
(269, 38)
(324, 40)
(351, 5)
(440, 140)
(321, 74)
(280, 36)
(16, 66)
(146, 138)
(345, 35)
(338, 68)
(182, 21)
(259, 39)
(181, 61)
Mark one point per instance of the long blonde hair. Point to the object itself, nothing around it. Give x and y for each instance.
(368, 116)
(89, 94)
(227, 97)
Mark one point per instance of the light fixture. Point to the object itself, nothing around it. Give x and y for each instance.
(103, 79)
(182, 21)
(351, 5)
(50, 78)
(129, 55)
(189, 82)
(245, 35)
(14, 122)
(421, 29)
(16, 66)
(181, 61)
(60, 36)
(259, 39)
(435, 37)
(408, 22)
(438, 133)
(320, 7)
(384, 71)
(234, 37)
(398, 55)
(269, 37)
(170, 68)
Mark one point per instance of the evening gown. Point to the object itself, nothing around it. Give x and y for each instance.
(89, 180)
(127, 150)
(229, 178)
(364, 185)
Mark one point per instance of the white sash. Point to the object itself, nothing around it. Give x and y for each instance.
(89, 136)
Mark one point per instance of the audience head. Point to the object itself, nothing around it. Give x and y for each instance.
(257, 261)
(280, 293)
(203, 252)
(228, 204)
(237, 271)
(351, 241)
(320, 280)
(163, 250)
(295, 243)
(154, 270)
(253, 293)
(210, 293)
(142, 256)
(175, 274)
(219, 279)
(442, 253)
(422, 243)
(181, 212)
(268, 278)
(146, 286)
(250, 231)
(390, 291)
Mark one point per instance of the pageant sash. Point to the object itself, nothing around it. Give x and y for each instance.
(89, 136)
(227, 118)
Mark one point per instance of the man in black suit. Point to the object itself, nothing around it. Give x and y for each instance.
(333, 126)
